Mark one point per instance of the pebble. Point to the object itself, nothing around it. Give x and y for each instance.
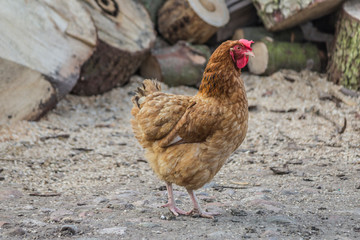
(280, 220)
(99, 200)
(9, 193)
(58, 215)
(29, 207)
(16, 232)
(148, 225)
(33, 223)
(5, 224)
(237, 212)
(113, 230)
(69, 229)
(289, 192)
(217, 235)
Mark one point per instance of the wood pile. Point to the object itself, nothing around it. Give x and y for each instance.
(88, 47)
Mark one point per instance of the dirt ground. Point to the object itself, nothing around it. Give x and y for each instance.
(79, 173)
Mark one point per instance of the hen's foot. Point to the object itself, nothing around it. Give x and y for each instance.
(199, 213)
(176, 211)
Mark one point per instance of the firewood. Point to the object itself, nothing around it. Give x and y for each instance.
(242, 14)
(153, 7)
(344, 63)
(126, 36)
(279, 15)
(258, 33)
(180, 64)
(41, 53)
(192, 20)
(271, 56)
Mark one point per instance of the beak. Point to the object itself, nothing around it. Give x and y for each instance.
(231, 49)
(251, 54)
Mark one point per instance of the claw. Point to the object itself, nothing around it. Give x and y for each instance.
(199, 213)
(176, 211)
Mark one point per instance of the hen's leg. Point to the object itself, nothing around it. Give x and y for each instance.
(197, 209)
(171, 202)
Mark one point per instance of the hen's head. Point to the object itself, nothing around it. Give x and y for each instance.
(240, 51)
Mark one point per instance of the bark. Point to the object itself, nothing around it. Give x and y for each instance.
(193, 21)
(279, 15)
(242, 14)
(41, 54)
(344, 64)
(126, 36)
(258, 33)
(153, 6)
(271, 56)
(181, 64)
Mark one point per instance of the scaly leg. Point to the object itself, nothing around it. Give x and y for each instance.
(197, 209)
(171, 202)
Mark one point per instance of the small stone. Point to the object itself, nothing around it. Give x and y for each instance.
(217, 235)
(9, 193)
(2, 178)
(4, 224)
(281, 220)
(29, 207)
(69, 230)
(149, 225)
(16, 232)
(58, 215)
(33, 223)
(113, 230)
(129, 206)
(99, 200)
(289, 192)
(237, 212)
(235, 220)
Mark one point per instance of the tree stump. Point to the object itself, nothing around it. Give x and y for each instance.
(344, 64)
(271, 56)
(180, 64)
(194, 21)
(279, 15)
(43, 45)
(126, 35)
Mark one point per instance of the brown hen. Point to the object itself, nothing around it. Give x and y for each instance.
(188, 138)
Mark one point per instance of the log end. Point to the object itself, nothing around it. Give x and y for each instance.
(259, 63)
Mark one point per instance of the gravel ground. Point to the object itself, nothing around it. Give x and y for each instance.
(79, 173)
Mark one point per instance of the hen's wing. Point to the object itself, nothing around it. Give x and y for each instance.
(159, 113)
(174, 119)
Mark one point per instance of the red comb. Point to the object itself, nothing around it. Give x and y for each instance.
(246, 43)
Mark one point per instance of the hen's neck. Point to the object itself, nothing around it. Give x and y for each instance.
(221, 79)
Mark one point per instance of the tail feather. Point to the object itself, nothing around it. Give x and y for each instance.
(148, 87)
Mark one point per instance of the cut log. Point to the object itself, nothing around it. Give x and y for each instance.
(126, 36)
(344, 64)
(258, 33)
(194, 21)
(279, 15)
(41, 54)
(181, 64)
(153, 7)
(242, 14)
(271, 56)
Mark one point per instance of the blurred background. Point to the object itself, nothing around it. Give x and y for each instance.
(70, 166)
(87, 47)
